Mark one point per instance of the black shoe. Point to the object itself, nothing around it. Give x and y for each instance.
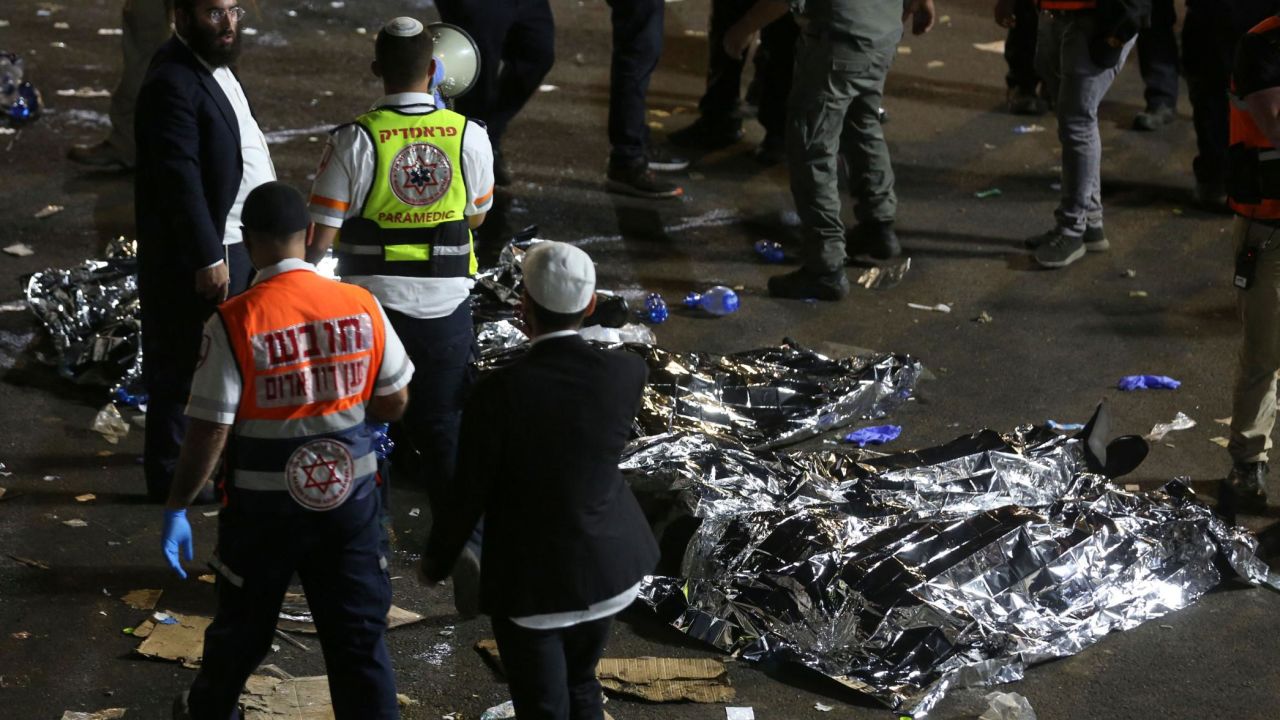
(1021, 102)
(1154, 118)
(802, 285)
(639, 181)
(100, 155)
(707, 134)
(875, 241)
(1211, 196)
(1244, 491)
(1055, 250)
(1095, 239)
(663, 160)
(771, 151)
(501, 171)
(466, 584)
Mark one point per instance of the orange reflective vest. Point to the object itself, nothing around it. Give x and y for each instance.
(1250, 156)
(1068, 4)
(309, 350)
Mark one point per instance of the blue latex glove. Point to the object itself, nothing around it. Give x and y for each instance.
(177, 536)
(878, 435)
(1147, 382)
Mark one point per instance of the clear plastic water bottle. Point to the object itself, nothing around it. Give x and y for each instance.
(719, 300)
(655, 309)
(770, 251)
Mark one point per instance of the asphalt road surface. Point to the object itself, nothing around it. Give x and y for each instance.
(1056, 344)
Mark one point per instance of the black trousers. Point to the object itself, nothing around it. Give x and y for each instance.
(1020, 48)
(442, 350)
(173, 318)
(774, 61)
(517, 49)
(552, 673)
(1158, 56)
(637, 45)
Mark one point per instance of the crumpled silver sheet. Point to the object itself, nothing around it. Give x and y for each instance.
(497, 289)
(770, 397)
(903, 576)
(91, 313)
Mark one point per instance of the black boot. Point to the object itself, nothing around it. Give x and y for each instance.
(1244, 491)
(873, 240)
(802, 285)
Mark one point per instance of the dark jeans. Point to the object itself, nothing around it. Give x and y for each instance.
(442, 350)
(552, 673)
(637, 45)
(339, 557)
(1020, 48)
(1158, 56)
(774, 61)
(173, 320)
(517, 49)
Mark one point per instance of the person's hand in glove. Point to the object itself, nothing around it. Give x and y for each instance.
(177, 536)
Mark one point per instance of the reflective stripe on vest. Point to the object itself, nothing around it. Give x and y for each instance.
(1250, 157)
(309, 350)
(413, 222)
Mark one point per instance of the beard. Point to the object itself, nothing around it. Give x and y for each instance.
(208, 44)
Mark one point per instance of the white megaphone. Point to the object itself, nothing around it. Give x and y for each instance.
(457, 59)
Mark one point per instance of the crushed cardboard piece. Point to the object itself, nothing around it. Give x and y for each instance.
(303, 698)
(86, 497)
(48, 211)
(703, 680)
(207, 578)
(181, 642)
(29, 562)
(144, 599)
(108, 714)
(396, 617)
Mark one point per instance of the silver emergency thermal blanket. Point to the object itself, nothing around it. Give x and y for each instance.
(903, 576)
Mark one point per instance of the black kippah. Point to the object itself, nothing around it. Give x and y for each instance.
(276, 209)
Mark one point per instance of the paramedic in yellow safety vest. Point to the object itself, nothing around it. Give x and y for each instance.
(1253, 191)
(396, 195)
(291, 373)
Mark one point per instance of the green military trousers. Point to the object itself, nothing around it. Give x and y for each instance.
(834, 106)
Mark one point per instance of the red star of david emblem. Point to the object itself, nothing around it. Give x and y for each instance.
(421, 175)
(323, 485)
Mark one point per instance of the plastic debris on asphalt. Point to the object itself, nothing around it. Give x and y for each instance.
(883, 276)
(988, 193)
(1130, 383)
(1028, 129)
(1179, 422)
(739, 713)
(1063, 427)
(1007, 706)
(983, 318)
(48, 211)
(108, 714)
(877, 435)
(820, 707)
(1220, 441)
(110, 424)
(86, 497)
(995, 46)
(499, 712)
(940, 307)
(20, 250)
(75, 523)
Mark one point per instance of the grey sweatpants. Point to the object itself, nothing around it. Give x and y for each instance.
(145, 26)
(1064, 65)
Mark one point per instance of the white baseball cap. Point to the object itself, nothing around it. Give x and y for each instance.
(559, 277)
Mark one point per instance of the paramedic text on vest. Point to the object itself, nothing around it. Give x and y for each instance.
(399, 190)
(291, 374)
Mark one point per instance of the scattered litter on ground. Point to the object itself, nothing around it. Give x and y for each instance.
(820, 707)
(29, 562)
(940, 307)
(15, 306)
(548, 88)
(1220, 441)
(1007, 706)
(500, 712)
(1137, 293)
(1063, 427)
(182, 641)
(270, 698)
(295, 615)
(1177, 211)
(292, 640)
(108, 714)
(1166, 627)
(211, 513)
(61, 26)
(19, 250)
(883, 277)
(877, 435)
(1179, 422)
(695, 33)
(2, 493)
(48, 211)
(988, 193)
(1223, 421)
(1130, 383)
(21, 635)
(415, 512)
(75, 522)
(934, 64)
(110, 31)
(983, 318)
(143, 599)
(996, 46)
(207, 578)
(51, 478)
(110, 424)
(739, 713)
(1129, 273)
(904, 49)
(1028, 129)
(702, 680)
(84, 92)
(86, 497)
(405, 700)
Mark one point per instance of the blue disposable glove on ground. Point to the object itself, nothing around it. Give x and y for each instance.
(1147, 382)
(874, 435)
(177, 536)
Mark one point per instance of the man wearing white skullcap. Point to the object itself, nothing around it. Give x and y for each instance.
(565, 543)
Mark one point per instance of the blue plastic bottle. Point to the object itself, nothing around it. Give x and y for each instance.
(655, 309)
(719, 300)
(769, 251)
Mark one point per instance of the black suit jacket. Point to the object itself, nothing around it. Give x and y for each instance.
(538, 457)
(188, 174)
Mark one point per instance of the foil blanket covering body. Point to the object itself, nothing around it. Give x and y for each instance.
(904, 576)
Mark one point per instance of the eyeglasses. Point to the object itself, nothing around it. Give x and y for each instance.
(217, 15)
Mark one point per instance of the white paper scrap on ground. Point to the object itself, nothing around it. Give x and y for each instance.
(739, 713)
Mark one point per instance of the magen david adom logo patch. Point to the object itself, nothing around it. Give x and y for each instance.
(320, 474)
(420, 174)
